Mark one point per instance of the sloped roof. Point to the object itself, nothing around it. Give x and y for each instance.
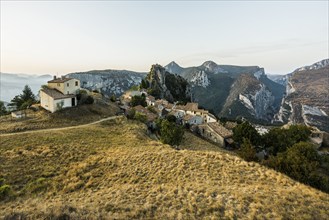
(60, 80)
(56, 94)
(219, 129)
(150, 98)
(192, 106)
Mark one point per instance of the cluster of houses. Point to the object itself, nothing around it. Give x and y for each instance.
(199, 120)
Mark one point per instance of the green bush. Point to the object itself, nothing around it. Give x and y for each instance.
(246, 130)
(171, 133)
(6, 192)
(131, 113)
(138, 100)
(140, 117)
(280, 139)
(247, 151)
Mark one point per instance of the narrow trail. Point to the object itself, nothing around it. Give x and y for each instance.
(60, 129)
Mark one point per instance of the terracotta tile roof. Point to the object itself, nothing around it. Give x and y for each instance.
(230, 125)
(151, 98)
(219, 129)
(188, 117)
(59, 80)
(56, 94)
(192, 106)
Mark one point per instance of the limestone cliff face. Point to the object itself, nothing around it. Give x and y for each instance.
(307, 99)
(249, 98)
(108, 82)
(164, 85)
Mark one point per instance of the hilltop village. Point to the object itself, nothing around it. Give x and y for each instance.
(198, 120)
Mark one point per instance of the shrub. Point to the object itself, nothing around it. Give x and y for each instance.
(89, 100)
(247, 151)
(140, 117)
(279, 140)
(171, 133)
(5, 192)
(246, 130)
(138, 100)
(113, 98)
(131, 113)
(151, 109)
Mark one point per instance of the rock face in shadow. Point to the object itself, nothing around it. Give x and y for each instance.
(164, 85)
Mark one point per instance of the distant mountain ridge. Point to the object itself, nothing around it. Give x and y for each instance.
(109, 82)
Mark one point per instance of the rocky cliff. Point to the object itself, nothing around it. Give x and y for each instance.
(307, 96)
(164, 85)
(249, 98)
(109, 82)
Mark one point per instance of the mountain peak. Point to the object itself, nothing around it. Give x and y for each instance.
(173, 67)
(314, 66)
(173, 64)
(209, 63)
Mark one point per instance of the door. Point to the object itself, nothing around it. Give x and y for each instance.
(73, 101)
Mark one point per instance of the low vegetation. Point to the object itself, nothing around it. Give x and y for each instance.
(113, 170)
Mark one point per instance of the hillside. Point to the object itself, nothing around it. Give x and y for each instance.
(43, 119)
(114, 171)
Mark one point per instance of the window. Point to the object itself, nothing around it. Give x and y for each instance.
(68, 92)
(76, 83)
(58, 84)
(67, 84)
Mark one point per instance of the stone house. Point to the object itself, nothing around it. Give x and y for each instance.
(217, 133)
(59, 93)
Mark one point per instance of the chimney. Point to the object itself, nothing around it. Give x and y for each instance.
(63, 77)
(54, 77)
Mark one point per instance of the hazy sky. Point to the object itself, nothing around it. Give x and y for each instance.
(62, 37)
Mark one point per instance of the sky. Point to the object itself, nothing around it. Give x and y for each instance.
(59, 37)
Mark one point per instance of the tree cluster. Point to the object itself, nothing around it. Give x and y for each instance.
(170, 132)
(24, 100)
(138, 100)
(289, 152)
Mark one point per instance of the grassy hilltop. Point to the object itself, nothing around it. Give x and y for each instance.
(113, 170)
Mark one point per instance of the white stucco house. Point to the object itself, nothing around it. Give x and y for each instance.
(59, 93)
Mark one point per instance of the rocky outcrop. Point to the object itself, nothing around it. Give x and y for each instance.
(164, 85)
(108, 82)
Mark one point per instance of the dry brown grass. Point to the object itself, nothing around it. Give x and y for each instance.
(114, 171)
(43, 119)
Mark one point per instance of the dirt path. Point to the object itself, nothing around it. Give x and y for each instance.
(59, 129)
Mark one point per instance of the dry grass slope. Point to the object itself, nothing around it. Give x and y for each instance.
(114, 171)
(67, 117)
